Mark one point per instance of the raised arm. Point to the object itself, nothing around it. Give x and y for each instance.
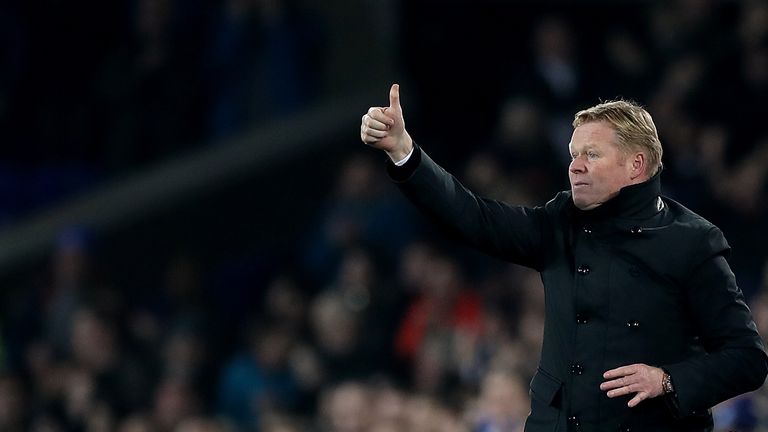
(509, 232)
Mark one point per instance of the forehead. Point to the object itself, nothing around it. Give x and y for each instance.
(599, 134)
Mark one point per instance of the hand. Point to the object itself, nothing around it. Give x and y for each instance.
(384, 128)
(639, 378)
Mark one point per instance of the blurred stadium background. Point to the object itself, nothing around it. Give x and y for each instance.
(193, 238)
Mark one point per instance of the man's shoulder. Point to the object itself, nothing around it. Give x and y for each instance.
(686, 217)
(704, 234)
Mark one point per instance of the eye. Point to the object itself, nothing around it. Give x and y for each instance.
(592, 155)
(574, 155)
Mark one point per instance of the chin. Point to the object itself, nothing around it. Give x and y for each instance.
(582, 204)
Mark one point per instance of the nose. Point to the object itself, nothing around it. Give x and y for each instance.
(577, 166)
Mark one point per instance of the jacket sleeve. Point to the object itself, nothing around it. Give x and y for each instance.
(735, 359)
(509, 232)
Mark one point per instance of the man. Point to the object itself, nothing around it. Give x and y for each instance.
(645, 327)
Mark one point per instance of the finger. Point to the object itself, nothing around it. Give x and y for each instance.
(637, 399)
(608, 385)
(623, 391)
(377, 113)
(394, 97)
(374, 124)
(369, 139)
(621, 371)
(373, 132)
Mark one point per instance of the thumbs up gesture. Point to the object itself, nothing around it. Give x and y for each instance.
(384, 128)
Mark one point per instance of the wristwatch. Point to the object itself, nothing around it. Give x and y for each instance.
(666, 384)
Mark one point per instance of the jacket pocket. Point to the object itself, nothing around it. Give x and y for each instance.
(545, 388)
(545, 403)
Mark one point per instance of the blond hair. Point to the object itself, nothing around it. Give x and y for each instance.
(633, 125)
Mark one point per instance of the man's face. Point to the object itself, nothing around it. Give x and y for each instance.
(598, 169)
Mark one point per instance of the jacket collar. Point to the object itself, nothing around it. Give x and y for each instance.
(637, 201)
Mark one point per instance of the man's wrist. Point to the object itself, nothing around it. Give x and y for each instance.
(400, 156)
(402, 161)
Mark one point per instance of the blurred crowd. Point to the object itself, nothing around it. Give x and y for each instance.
(90, 90)
(375, 321)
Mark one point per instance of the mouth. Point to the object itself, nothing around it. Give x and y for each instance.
(580, 184)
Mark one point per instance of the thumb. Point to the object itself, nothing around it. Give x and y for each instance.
(394, 97)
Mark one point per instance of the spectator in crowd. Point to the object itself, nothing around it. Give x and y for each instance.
(13, 406)
(136, 423)
(503, 403)
(352, 219)
(443, 305)
(344, 408)
(260, 378)
(175, 402)
(338, 339)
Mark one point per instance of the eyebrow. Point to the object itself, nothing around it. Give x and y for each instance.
(585, 148)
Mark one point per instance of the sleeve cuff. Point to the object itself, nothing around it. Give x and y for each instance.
(401, 173)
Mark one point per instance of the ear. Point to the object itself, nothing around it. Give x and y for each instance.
(638, 165)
